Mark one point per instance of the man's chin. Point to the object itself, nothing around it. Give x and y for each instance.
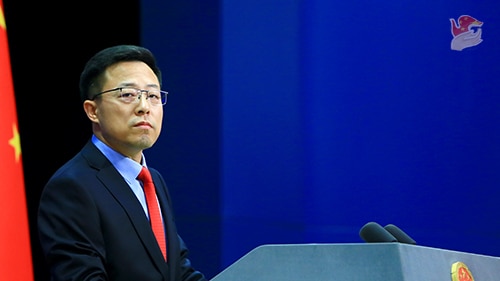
(145, 141)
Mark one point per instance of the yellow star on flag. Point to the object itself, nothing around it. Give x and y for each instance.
(15, 141)
(2, 19)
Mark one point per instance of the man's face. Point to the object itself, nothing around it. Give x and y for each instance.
(127, 127)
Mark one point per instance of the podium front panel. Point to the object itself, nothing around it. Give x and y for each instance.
(355, 262)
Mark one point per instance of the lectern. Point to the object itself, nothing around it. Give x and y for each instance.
(357, 262)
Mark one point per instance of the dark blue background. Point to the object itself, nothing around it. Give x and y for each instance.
(300, 121)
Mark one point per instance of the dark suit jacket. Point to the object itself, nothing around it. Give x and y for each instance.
(92, 227)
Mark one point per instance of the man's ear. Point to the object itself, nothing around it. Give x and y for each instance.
(90, 108)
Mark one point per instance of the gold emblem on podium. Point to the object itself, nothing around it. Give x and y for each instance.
(460, 272)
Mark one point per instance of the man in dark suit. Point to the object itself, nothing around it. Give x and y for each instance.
(93, 217)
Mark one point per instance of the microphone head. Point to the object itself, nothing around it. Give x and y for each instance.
(374, 232)
(400, 235)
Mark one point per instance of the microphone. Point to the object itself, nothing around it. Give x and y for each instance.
(374, 232)
(399, 234)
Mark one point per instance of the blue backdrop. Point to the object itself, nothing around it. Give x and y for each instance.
(300, 121)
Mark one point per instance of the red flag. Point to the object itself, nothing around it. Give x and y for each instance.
(15, 248)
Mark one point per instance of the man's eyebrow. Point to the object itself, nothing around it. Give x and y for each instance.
(134, 85)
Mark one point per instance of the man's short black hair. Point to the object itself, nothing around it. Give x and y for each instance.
(89, 79)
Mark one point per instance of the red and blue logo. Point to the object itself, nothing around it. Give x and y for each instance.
(466, 32)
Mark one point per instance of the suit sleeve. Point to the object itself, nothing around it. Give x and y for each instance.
(67, 220)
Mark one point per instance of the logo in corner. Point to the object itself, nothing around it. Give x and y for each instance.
(466, 32)
(460, 272)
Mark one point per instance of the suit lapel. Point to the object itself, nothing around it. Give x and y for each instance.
(168, 218)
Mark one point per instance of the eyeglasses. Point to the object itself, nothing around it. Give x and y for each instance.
(133, 95)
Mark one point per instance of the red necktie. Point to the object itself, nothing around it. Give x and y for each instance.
(153, 209)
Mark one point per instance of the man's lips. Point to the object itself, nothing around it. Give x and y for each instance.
(143, 124)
